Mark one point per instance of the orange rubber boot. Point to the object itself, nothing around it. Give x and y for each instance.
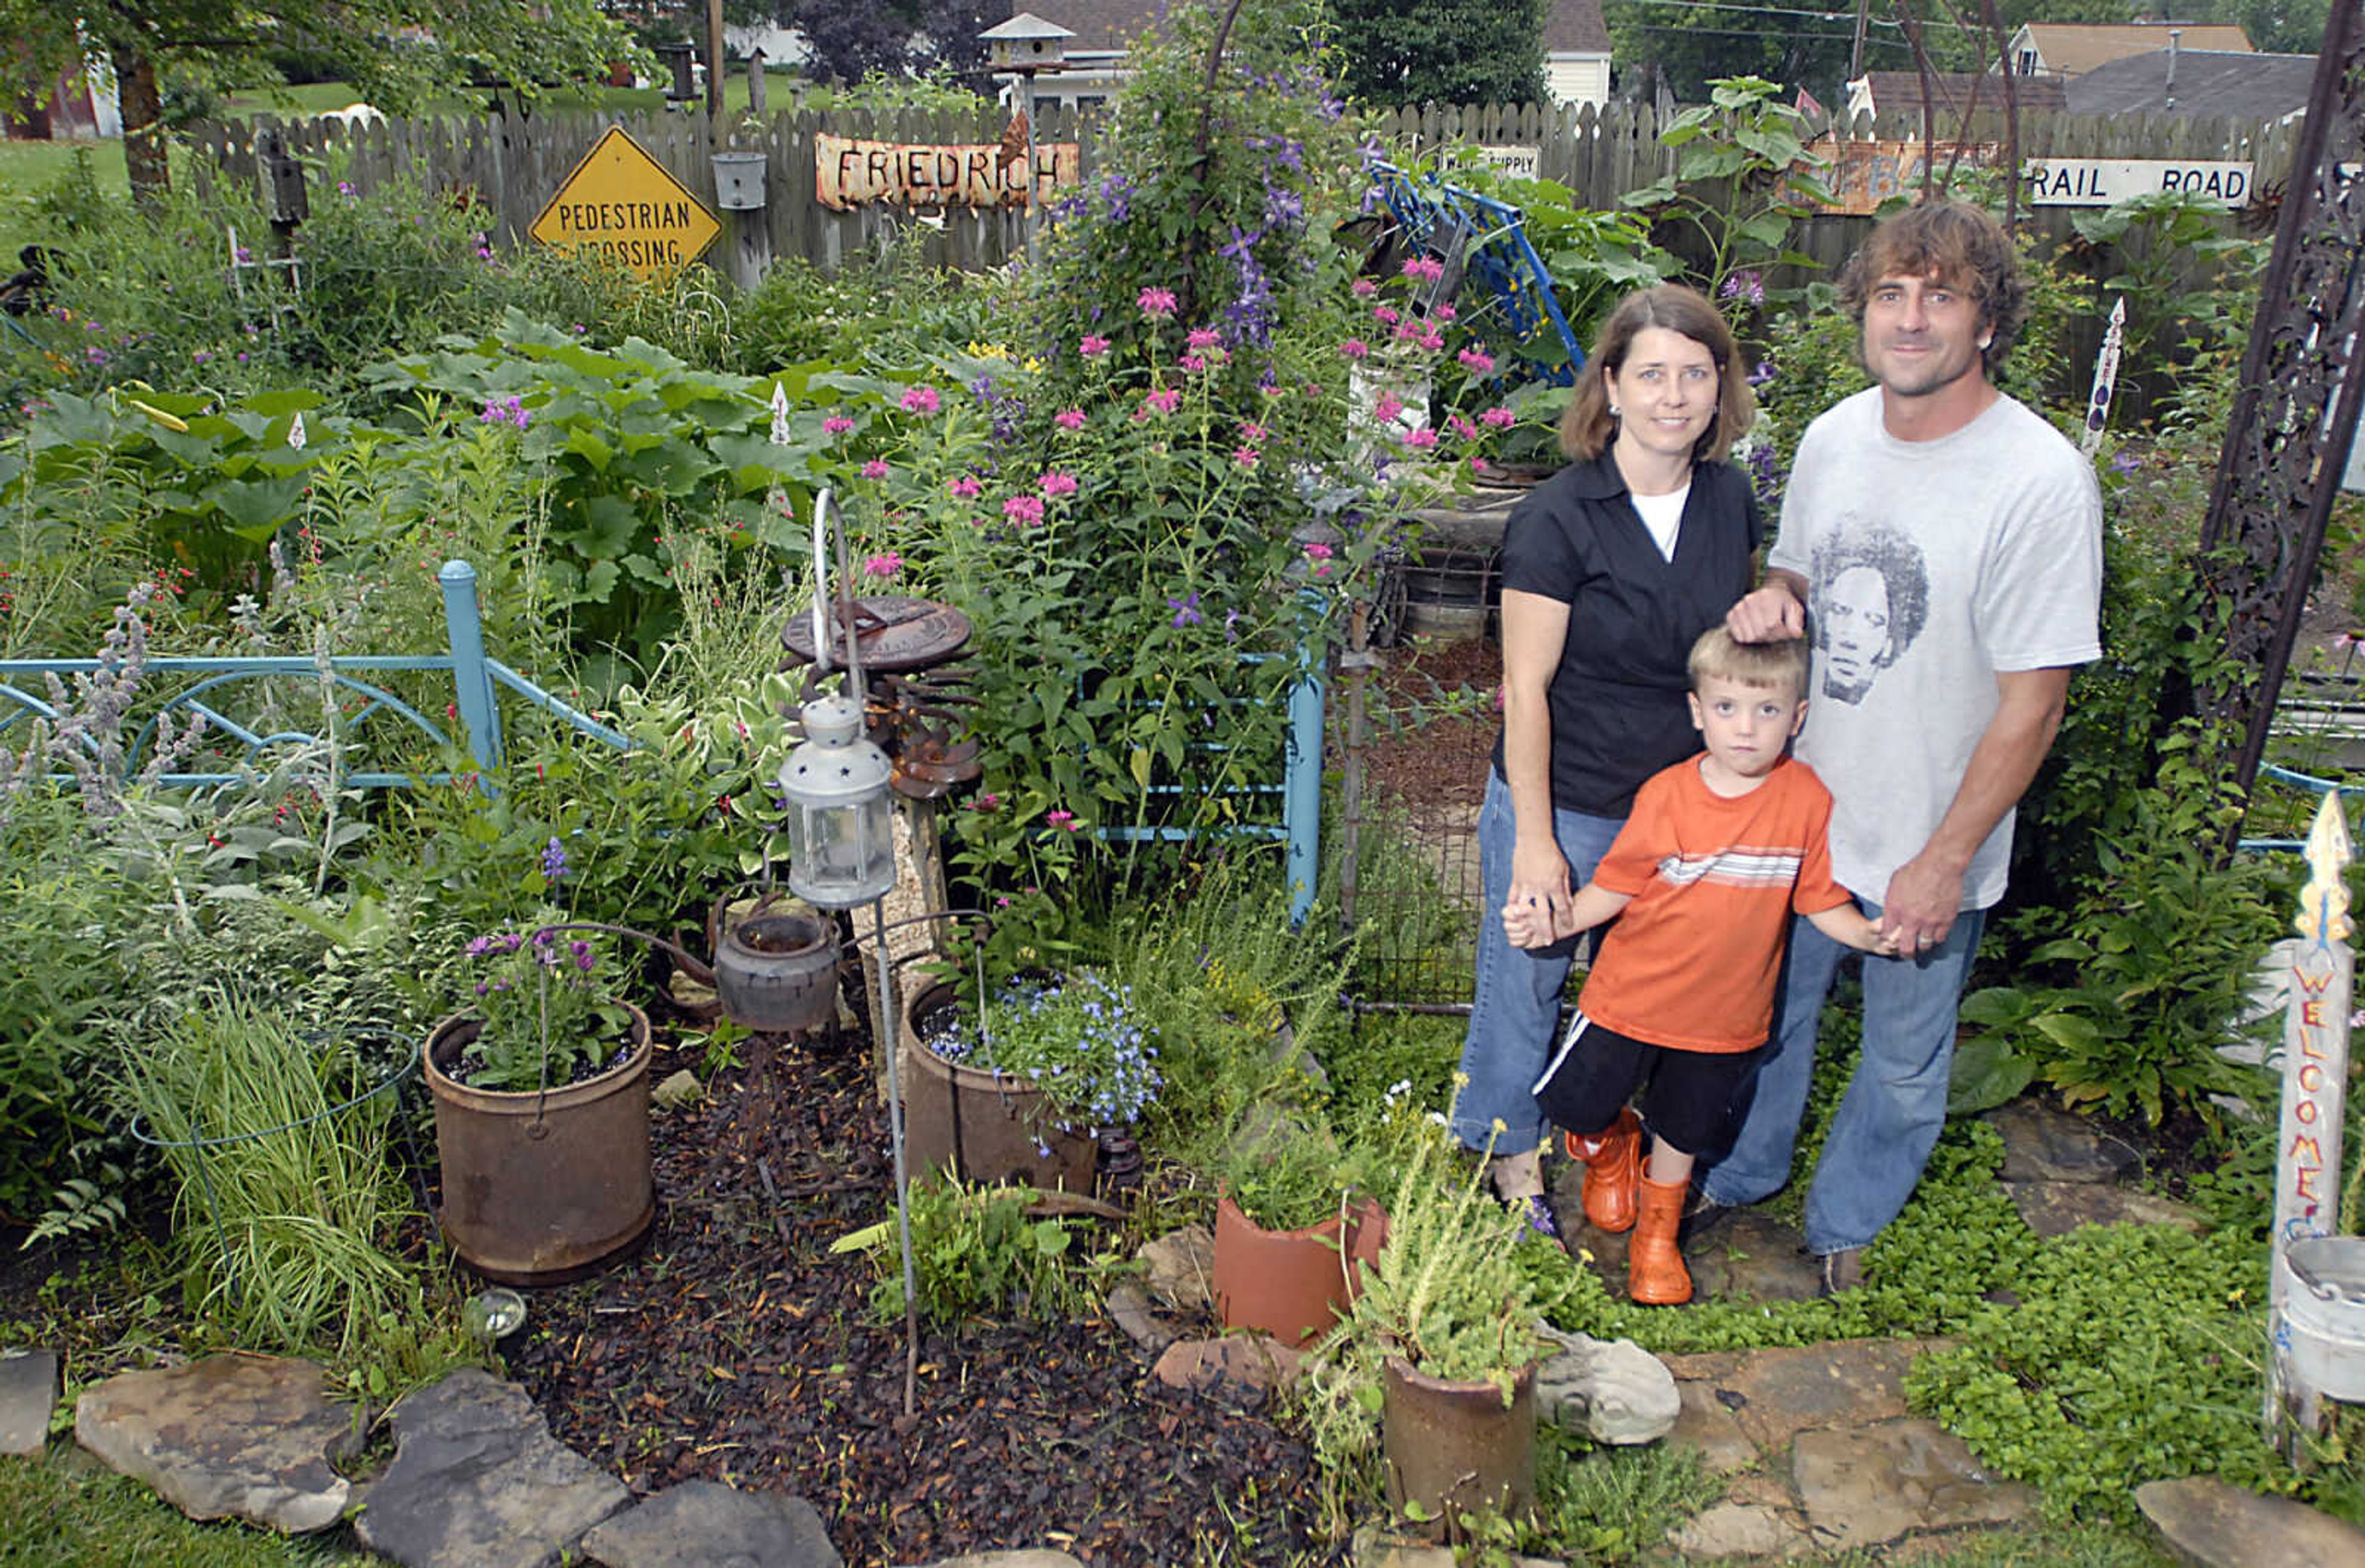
(1655, 1275)
(1613, 1164)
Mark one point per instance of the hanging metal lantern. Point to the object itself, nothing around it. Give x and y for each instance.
(841, 835)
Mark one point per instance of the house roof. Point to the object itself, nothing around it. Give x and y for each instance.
(1895, 90)
(1574, 27)
(2252, 86)
(2074, 48)
(1571, 27)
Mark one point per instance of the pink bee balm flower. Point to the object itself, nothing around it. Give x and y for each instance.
(1355, 348)
(1068, 419)
(1386, 315)
(1252, 431)
(1204, 337)
(1025, 510)
(1462, 427)
(1246, 456)
(1059, 819)
(1364, 288)
(1432, 340)
(1057, 484)
(874, 470)
(1421, 440)
(921, 400)
(1164, 402)
(1317, 551)
(1443, 313)
(966, 488)
(836, 424)
(1498, 418)
(1424, 269)
(1386, 410)
(1157, 302)
(1093, 347)
(885, 565)
(1478, 360)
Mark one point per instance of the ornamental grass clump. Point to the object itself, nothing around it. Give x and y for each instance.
(1076, 1037)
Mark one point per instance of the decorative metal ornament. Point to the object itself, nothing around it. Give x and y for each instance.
(841, 834)
(2106, 378)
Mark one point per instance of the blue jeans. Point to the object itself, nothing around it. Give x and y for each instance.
(1896, 1103)
(1515, 1009)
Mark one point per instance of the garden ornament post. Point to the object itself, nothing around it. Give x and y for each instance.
(2315, 1300)
(842, 854)
(1021, 48)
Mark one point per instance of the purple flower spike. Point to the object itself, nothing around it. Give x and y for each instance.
(553, 860)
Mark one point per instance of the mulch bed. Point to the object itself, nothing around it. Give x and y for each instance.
(736, 1348)
(1416, 754)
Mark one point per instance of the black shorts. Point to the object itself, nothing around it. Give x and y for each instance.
(1690, 1102)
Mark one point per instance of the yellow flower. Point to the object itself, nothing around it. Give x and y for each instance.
(1033, 364)
(987, 351)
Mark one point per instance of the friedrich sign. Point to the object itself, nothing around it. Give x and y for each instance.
(623, 205)
(850, 172)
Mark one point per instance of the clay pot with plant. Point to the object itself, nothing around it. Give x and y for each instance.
(1294, 1230)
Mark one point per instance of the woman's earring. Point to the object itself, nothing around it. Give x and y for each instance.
(1613, 410)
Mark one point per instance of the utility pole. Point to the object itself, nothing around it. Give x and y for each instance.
(1855, 48)
(715, 60)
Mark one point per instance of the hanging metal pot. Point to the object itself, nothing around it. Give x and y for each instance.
(778, 973)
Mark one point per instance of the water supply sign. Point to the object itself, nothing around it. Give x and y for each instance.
(624, 205)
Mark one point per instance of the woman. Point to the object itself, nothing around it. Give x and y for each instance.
(1610, 569)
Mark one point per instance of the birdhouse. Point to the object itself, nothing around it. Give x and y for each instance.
(1025, 44)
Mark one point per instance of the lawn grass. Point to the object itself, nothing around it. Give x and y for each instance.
(89, 1517)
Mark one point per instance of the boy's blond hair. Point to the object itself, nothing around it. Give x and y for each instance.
(1780, 665)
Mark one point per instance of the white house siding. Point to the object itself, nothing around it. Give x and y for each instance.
(1577, 79)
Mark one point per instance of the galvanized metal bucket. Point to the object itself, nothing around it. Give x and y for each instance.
(2324, 1308)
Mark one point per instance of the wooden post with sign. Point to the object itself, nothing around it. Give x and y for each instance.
(627, 208)
(2308, 1144)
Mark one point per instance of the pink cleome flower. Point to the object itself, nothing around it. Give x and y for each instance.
(1158, 303)
(874, 470)
(1092, 346)
(1055, 483)
(921, 400)
(1025, 510)
(1068, 419)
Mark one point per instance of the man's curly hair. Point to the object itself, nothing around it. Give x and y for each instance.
(1961, 245)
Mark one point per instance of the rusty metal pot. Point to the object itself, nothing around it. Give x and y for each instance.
(545, 1185)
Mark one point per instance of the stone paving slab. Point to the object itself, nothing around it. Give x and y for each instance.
(1748, 1253)
(2044, 1142)
(1867, 1485)
(2217, 1526)
(2057, 1208)
(231, 1435)
(1707, 1423)
(29, 1392)
(479, 1482)
(1738, 1529)
(1846, 1383)
(703, 1524)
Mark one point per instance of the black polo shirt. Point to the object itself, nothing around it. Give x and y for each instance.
(1617, 701)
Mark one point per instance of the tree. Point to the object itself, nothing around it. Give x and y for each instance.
(851, 39)
(381, 46)
(1441, 52)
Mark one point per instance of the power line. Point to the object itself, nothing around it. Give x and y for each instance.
(1788, 13)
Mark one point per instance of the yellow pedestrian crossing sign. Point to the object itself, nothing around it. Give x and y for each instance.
(624, 205)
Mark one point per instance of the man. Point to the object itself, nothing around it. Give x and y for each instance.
(1982, 528)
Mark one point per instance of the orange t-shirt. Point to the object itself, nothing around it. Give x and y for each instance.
(1691, 963)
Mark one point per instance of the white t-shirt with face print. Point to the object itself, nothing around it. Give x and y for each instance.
(1932, 567)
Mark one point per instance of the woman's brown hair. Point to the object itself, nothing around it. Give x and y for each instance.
(1588, 427)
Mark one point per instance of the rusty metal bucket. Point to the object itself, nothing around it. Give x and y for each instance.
(983, 1126)
(542, 1187)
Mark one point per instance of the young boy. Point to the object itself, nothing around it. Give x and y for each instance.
(1716, 854)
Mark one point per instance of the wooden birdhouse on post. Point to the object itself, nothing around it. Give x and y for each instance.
(1025, 44)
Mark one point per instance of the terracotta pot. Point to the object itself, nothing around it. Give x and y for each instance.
(983, 1126)
(1293, 1284)
(542, 1187)
(1455, 1447)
